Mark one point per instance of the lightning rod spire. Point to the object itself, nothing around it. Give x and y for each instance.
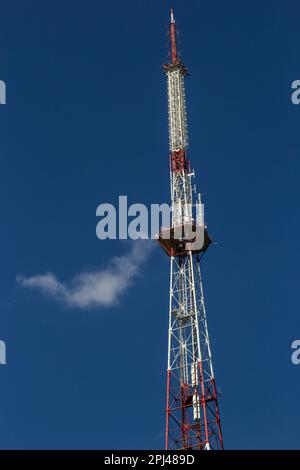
(173, 38)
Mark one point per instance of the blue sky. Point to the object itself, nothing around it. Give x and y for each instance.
(85, 122)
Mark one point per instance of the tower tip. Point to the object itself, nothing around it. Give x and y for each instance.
(172, 16)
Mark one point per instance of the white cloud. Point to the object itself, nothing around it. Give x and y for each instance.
(100, 288)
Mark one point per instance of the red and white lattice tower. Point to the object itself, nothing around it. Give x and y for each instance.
(192, 415)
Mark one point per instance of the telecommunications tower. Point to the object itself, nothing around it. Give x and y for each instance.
(192, 414)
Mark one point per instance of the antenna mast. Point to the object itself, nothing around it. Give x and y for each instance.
(192, 414)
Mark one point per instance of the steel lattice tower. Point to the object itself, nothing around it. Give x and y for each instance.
(192, 414)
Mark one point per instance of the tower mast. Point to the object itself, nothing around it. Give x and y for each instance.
(192, 412)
